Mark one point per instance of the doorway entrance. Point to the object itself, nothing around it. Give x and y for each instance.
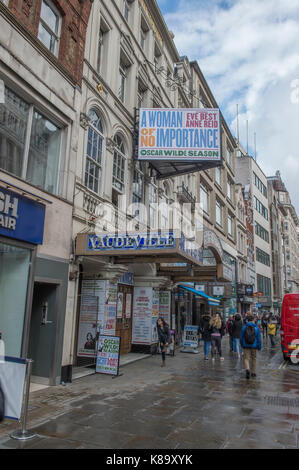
(124, 317)
(43, 330)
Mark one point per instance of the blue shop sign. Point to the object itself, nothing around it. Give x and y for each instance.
(130, 242)
(21, 218)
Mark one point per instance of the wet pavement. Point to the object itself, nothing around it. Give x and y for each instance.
(190, 404)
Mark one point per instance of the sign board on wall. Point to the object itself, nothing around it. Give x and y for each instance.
(21, 218)
(110, 309)
(108, 350)
(87, 335)
(164, 311)
(180, 135)
(128, 304)
(142, 315)
(97, 314)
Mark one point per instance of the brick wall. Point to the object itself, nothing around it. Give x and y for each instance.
(75, 16)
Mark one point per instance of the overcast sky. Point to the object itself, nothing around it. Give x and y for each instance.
(249, 54)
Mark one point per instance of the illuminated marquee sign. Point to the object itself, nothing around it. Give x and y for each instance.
(180, 135)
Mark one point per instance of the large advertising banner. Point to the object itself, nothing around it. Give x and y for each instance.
(180, 134)
(142, 315)
(108, 355)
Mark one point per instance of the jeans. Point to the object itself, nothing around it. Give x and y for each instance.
(236, 342)
(272, 340)
(231, 342)
(216, 342)
(206, 347)
(163, 351)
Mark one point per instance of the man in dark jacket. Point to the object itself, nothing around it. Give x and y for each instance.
(251, 341)
(205, 331)
(236, 331)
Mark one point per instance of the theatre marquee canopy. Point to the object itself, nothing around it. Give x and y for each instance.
(151, 248)
(179, 141)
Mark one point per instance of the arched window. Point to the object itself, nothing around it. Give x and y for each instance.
(94, 151)
(119, 161)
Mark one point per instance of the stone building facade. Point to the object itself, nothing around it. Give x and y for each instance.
(131, 62)
(40, 76)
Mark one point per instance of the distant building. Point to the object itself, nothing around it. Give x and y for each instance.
(249, 173)
(289, 234)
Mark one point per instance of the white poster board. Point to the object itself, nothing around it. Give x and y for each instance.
(142, 315)
(12, 380)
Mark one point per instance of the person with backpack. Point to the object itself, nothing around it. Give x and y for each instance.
(236, 331)
(217, 332)
(272, 324)
(164, 336)
(228, 327)
(205, 330)
(250, 338)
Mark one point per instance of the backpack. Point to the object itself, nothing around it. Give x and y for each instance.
(249, 334)
(2, 405)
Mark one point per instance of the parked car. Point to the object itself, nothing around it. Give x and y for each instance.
(289, 328)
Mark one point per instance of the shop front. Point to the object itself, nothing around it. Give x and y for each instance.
(21, 231)
(163, 266)
(129, 265)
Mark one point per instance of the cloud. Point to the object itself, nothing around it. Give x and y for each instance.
(249, 53)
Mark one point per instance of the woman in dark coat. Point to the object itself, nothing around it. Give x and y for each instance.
(164, 337)
(205, 330)
(236, 331)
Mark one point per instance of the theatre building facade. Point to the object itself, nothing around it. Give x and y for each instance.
(130, 263)
(39, 93)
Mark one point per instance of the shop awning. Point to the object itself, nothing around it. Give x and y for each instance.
(211, 300)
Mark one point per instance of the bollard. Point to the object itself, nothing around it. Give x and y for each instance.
(23, 434)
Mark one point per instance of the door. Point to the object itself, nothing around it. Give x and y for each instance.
(42, 336)
(124, 317)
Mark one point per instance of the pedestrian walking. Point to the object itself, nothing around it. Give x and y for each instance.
(272, 325)
(164, 338)
(228, 328)
(205, 330)
(250, 338)
(236, 331)
(264, 325)
(217, 332)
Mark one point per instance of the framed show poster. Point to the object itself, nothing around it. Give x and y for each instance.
(108, 352)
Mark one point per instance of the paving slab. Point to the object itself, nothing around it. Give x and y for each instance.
(191, 404)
